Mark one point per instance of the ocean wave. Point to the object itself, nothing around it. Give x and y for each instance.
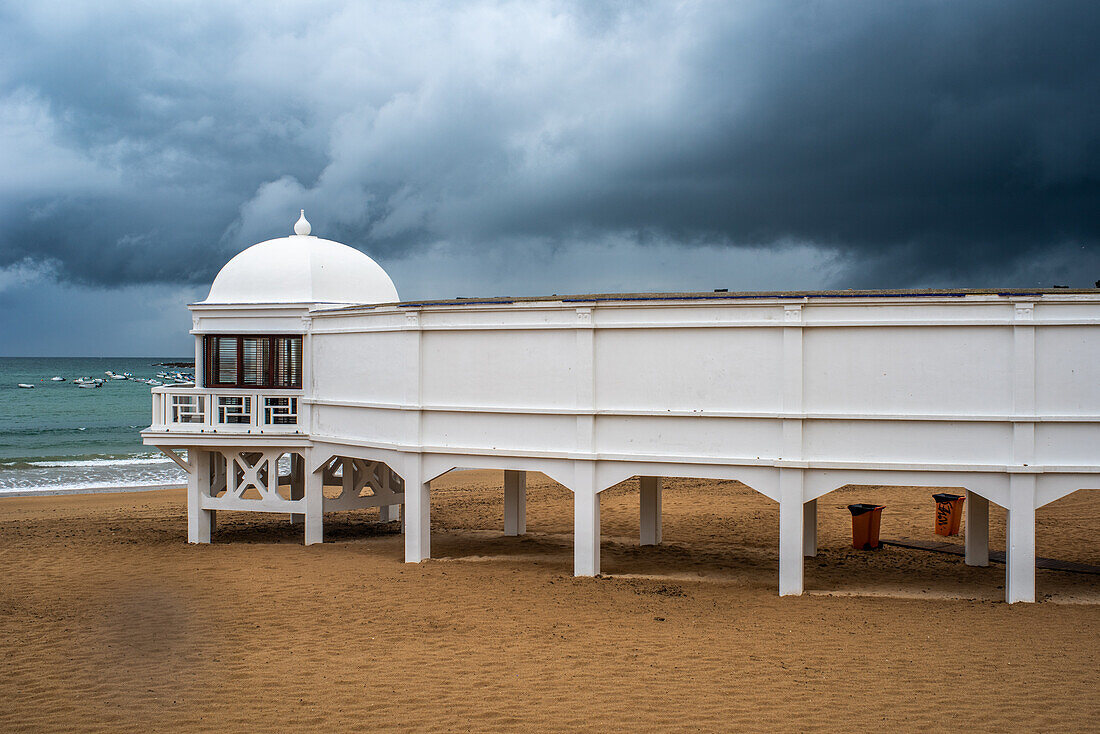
(101, 462)
(91, 487)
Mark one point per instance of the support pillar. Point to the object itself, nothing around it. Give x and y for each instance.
(388, 513)
(515, 502)
(1020, 561)
(297, 485)
(199, 521)
(586, 522)
(791, 514)
(650, 511)
(315, 504)
(976, 532)
(418, 513)
(809, 529)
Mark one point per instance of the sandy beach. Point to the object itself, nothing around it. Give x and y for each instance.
(112, 622)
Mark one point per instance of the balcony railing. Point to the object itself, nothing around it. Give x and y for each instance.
(191, 409)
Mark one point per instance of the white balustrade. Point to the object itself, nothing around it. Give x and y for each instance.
(203, 410)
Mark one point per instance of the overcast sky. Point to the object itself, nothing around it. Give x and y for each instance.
(523, 148)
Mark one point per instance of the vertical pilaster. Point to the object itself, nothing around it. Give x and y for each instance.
(515, 502)
(315, 503)
(414, 385)
(199, 521)
(586, 381)
(1020, 545)
(790, 531)
(650, 510)
(200, 362)
(809, 529)
(976, 532)
(1020, 561)
(418, 517)
(586, 521)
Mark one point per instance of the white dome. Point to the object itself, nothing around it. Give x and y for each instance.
(302, 269)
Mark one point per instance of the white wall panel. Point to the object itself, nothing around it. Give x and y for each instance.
(908, 369)
(1067, 373)
(501, 432)
(689, 369)
(499, 368)
(686, 436)
(917, 442)
(371, 367)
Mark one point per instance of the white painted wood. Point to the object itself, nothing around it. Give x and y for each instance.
(515, 502)
(171, 454)
(297, 485)
(586, 532)
(649, 500)
(794, 394)
(790, 532)
(976, 531)
(314, 507)
(418, 515)
(199, 521)
(1020, 561)
(389, 513)
(809, 529)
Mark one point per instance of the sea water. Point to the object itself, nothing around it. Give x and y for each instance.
(62, 438)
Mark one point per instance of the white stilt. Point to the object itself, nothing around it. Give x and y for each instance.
(791, 515)
(586, 526)
(199, 521)
(1020, 564)
(515, 502)
(297, 485)
(418, 514)
(976, 532)
(388, 513)
(315, 500)
(650, 510)
(809, 529)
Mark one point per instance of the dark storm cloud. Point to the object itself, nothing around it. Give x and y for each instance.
(920, 143)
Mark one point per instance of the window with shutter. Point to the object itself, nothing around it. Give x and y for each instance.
(253, 361)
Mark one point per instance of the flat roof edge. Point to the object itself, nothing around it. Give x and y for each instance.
(731, 296)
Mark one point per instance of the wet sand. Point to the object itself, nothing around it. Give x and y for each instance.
(112, 622)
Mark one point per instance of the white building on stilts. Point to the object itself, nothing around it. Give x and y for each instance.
(303, 349)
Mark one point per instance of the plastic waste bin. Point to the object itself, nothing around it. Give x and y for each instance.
(949, 510)
(866, 520)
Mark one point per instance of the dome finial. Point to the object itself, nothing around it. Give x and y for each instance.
(302, 225)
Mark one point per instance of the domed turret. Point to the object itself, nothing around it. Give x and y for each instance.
(302, 269)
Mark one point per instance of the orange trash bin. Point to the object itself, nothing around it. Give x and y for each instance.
(948, 513)
(866, 520)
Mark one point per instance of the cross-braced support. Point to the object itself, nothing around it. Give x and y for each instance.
(363, 484)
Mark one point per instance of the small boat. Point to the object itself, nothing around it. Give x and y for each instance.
(89, 385)
(59, 378)
(26, 386)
